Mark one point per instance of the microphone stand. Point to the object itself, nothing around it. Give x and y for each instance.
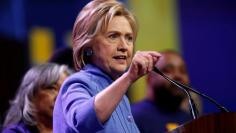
(220, 107)
(192, 105)
(186, 88)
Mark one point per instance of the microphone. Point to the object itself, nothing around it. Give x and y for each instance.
(187, 88)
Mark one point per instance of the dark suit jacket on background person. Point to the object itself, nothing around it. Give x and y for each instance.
(151, 119)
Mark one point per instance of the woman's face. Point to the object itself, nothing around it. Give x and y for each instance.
(45, 98)
(113, 49)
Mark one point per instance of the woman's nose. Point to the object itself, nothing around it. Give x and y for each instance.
(55, 96)
(123, 45)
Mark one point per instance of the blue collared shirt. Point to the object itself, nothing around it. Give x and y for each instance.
(74, 110)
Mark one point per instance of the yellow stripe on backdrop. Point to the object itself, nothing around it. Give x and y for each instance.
(41, 44)
(157, 31)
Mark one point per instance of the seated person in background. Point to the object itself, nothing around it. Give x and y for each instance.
(161, 110)
(31, 110)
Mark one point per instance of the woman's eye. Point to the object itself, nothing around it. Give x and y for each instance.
(130, 38)
(51, 88)
(113, 36)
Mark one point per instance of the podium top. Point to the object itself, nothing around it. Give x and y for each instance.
(212, 123)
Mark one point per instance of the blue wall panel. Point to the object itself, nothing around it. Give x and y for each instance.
(208, 44)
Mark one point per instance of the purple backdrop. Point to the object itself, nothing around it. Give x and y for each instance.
(208, 43)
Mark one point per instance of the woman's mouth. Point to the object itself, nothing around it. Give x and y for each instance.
(120, 58)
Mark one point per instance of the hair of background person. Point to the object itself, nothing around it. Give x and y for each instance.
(38, 77)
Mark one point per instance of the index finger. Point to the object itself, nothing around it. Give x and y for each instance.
(154, 54)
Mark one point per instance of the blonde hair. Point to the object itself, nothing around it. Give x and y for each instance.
(92, 20)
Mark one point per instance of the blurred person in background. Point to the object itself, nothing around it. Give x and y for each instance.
(63, 56)
(165, 106)
(93, 99)
(32, 108)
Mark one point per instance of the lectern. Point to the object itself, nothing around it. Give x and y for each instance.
(213, 123)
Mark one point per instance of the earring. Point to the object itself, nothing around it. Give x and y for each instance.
(88, 52)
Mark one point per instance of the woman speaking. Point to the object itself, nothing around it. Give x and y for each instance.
(93, 99)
